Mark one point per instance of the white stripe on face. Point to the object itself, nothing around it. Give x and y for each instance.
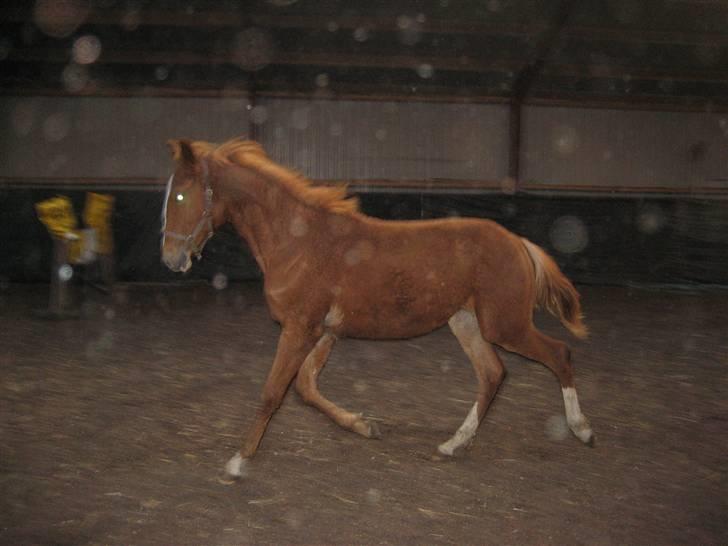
(166, 200)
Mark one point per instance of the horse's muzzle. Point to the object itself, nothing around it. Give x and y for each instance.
(179, 262)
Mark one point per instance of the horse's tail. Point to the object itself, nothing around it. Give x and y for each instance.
(554, 291)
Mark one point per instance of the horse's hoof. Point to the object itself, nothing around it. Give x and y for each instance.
(374, 431)
(366, 428)
(440, 457)
(591, 442)
(584, 434)
(237, 467)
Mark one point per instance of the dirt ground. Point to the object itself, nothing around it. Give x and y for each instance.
(115, 428)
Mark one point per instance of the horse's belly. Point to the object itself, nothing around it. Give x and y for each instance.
(391, 319)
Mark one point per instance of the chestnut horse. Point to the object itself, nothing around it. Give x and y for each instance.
(331, 272)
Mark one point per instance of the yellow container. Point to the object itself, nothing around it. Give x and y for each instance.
(57, 215)
(97, 215)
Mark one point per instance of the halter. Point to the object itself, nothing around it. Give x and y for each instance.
(205, 221)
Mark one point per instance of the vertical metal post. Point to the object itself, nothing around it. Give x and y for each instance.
(514, 148)
(61, 297)
(252, 98)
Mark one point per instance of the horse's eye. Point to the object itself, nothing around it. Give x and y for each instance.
(180, 197)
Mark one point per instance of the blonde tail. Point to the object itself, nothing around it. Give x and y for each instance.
(554, 291)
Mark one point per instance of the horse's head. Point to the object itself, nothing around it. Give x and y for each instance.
(187, 217)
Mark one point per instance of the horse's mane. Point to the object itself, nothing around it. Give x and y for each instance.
(249, 154)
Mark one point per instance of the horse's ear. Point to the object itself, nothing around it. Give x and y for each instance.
(182, 151)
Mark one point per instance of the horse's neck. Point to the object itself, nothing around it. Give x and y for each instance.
(267, 216)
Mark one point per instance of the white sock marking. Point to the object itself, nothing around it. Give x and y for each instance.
(237, 466)
(463, 435)
(578, 424)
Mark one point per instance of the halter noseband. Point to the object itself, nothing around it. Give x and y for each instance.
(205, 221)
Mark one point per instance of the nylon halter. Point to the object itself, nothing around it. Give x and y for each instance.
(205, 222)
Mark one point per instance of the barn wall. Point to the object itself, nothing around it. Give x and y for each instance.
(387, 140)
(123, 138)
(592, 147)
(610, 239)
(103, 137)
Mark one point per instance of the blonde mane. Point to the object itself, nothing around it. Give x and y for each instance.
(247, 153)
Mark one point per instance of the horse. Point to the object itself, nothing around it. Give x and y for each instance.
(331, 272)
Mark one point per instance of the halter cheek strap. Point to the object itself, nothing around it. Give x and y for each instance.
(205, 222)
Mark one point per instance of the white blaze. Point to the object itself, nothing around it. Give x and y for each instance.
(164, 208)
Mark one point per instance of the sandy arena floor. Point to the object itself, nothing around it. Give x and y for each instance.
(115, 428)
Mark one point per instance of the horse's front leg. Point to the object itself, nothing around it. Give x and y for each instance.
(293, 346)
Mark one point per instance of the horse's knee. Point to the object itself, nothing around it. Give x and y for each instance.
(270, 402)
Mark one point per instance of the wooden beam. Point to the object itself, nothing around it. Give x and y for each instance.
(644, 102)
(218, 18)
(525, 78)
(314, 58)
(440, 185)
(514, 138)
(346, 60)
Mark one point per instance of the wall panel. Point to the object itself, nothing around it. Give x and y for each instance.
(594, 147)
(343, 140)
(107, 137)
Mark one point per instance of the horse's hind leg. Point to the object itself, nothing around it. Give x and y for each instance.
(556, 356)
(308, 389)
(488, 370)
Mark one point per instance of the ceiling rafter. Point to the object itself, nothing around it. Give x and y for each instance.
(233, 19)
(496, 53)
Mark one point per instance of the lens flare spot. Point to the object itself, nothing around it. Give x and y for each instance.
(425, 71)
(300, 118)
(322, 80)
(56, 127)
(258, 114)
(298, 227)
(65, 272)
(651, 219)
(23, 118)
(220, 281)
(253, 49)
(565, 140)
(161, 73)
(60, 18)
(556, 427)
(361, 34)
(86, 49)
(336, 130)
(374, 496)
(74, 78)
(569, 235)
